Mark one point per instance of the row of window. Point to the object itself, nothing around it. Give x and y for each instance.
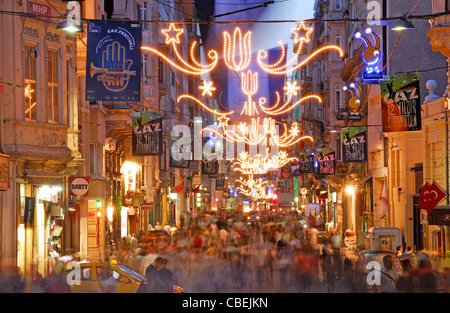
(52, 90)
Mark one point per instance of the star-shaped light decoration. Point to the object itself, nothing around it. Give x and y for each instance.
(294, 130)
(291, 88)
(302, 33)
(28, 91)
(175, 39)
(223, 120)
(207, 88)
(243, 128)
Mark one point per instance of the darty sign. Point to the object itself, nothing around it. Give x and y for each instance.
(79, 186)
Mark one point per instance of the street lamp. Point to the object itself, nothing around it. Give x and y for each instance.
(401, 24)
(69, 27)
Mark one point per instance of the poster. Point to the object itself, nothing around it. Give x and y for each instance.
(180, 152)
(147, 136)
(30, 205)
(295, 169)
(210, 166)
(354, 144)
(326, 160)
(400, 102)
(5, 181)
(306, 162)
(113, 67)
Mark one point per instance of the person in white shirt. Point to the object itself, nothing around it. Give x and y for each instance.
(388, 276)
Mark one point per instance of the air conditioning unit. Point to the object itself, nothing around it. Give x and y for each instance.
(110, 144)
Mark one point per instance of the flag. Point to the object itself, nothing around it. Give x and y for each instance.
(180, 187)
(196, 189)
(436, 195)
(384, 200)
(430, 196)
(424, 199)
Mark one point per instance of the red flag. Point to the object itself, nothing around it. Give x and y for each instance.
(180, 187)
(436, 195)
(430, 196)
(196, 189)
(1, 89)
(384, 200)
(425, 197)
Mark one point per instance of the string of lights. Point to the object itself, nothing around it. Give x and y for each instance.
(312, 20)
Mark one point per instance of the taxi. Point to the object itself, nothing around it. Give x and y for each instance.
(86, 277)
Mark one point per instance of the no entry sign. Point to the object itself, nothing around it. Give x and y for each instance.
(79, 186)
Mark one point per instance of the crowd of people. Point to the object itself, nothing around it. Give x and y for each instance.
(227, 251)
(272, 252)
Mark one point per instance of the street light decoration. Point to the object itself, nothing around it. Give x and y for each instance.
(261, 164)
(237, 52)
(301, 35)
(254, 187)
(355, 101)
(371, 54)
(173, 34)
(244, 53)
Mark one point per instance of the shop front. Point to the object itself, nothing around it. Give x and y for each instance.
(40, 224)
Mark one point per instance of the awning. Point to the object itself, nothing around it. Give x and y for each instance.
(38, 177)
(365, 179)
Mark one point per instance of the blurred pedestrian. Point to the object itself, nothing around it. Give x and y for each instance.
(399, 251)
(162, 279)
(107, 281)
(388, 276)
(427, 279)
(406, 282)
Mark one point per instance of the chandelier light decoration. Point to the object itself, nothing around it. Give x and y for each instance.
(254, 188)
(261, 164)
(260, 128)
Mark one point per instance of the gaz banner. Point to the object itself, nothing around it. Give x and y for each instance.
(147, 133)
(325, 158)
(400, 102)
(354, 147)
(113, 68)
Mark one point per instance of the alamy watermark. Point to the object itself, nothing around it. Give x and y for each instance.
(374, 276)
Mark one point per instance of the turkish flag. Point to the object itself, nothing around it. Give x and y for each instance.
(180, 187)
(430, 196)
(425, 197)
(437, 194)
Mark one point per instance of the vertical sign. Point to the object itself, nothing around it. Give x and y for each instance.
(354, 144)
(306, 162)
(400, 102)
(147, 133)
(326, 160)
(113, 68)
(5, 182)
(30, 205)
(210, 166)
(295, 168)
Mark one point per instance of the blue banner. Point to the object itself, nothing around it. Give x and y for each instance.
(113, 67)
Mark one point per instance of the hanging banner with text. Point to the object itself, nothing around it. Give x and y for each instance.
(400, 102)
(147, 136)
(113, 67)
(354, 147)
(306, 162)
(326, 160)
